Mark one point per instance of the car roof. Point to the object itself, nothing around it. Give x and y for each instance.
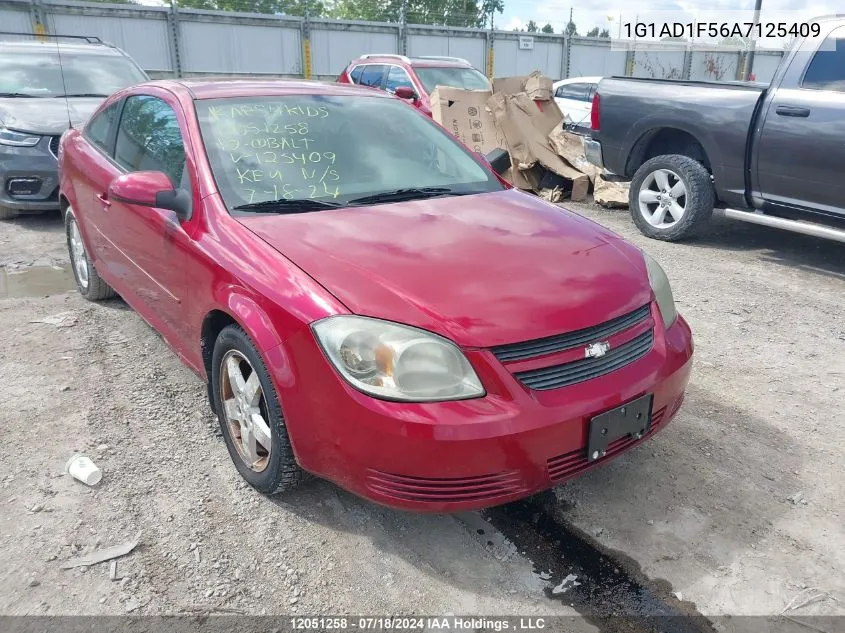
(227, 87)
(433, 61)
(93, 48)
(577, 80)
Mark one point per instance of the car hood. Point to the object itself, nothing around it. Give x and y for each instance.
(46, 115)
(481, 270)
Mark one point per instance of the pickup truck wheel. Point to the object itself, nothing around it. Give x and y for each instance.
(671, 197)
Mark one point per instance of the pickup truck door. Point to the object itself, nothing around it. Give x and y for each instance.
(801, 149)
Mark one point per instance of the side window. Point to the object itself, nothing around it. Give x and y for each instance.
(149, 139)
(355, 75)
(372, 75)
(396, 77)
(578, 92)
(99, 129)
(827, 69)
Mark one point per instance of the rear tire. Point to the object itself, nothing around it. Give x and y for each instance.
(88, 282)
(267, 464)
(671, 197)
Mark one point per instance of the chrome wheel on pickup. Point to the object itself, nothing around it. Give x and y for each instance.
(671, 197)
(662, 198)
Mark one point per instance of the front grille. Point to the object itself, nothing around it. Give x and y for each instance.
(572, 463)
(54, 145)
(561, 342)
(558, 376)
(425, 489)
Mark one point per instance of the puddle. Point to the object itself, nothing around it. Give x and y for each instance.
(608, 588)
(35, 281)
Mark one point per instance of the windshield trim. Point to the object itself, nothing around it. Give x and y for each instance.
(492, 179)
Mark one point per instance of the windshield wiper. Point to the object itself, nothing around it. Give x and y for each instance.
(411, 193)
(19, 94)
(284, 205)
(81, 94)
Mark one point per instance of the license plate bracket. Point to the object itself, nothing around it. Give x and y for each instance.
(631, 418)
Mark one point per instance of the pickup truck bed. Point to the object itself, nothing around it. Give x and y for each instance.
(716, 116)
(771, 154)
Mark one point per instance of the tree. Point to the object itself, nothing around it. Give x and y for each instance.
(547, 29)
(571, 29)
(488, 8)
(605, 33)
(593, 32)
(531, 27)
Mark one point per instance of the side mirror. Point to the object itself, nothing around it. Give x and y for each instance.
(151, 189)
(405, 92)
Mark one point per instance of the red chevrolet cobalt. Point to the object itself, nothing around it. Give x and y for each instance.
(366, 299)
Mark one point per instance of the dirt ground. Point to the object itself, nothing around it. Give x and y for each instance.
(738, 504)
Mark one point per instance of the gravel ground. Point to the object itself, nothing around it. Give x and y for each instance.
(738, 504)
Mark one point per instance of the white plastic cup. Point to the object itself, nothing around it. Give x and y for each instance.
(82, 468)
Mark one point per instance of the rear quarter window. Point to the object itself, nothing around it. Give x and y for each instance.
(100, 128)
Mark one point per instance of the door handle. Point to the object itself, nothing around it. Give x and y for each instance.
(102, 197)
(785, 110)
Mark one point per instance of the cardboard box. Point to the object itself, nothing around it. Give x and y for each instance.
(570, 147)
(610, 193)
(508, 85)
(538, 86)
(465, 114)
(525, 126)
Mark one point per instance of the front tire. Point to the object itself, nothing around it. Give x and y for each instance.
(89, 283)
(250, 415)
(671, 197)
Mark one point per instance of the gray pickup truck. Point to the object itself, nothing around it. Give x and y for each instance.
(773, 155)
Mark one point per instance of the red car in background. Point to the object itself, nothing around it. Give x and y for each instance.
(413, 79)
(390, 316)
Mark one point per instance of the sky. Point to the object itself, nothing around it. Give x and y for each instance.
(587, 15)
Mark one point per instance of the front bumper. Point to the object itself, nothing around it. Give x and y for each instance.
(450, 456)
(592, 151)
(31, 164)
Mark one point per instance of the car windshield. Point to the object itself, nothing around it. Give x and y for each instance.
(36, 73)
(338, 150)
(452, 76)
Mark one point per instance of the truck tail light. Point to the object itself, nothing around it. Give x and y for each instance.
(595, 117)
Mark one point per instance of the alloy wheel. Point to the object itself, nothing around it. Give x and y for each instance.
(245, 410)
(662, 198)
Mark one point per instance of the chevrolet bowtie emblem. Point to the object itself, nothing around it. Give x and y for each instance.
(596, 350)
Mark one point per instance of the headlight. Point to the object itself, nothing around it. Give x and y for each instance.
(396, 362)
(662, 291)
(18, 139)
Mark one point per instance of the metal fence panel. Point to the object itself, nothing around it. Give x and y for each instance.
(509, 59)
(588, 59)
(332, 49)
(473, 49)
(143, 38)
(714, 65)
(220, 47)
(659, 64)
(14, 19)
(765, 65)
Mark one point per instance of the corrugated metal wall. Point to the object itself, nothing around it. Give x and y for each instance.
(15, 18)
(144, 37)
(257, 45)
(334, 45)
(464, 44)
(238, 43)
